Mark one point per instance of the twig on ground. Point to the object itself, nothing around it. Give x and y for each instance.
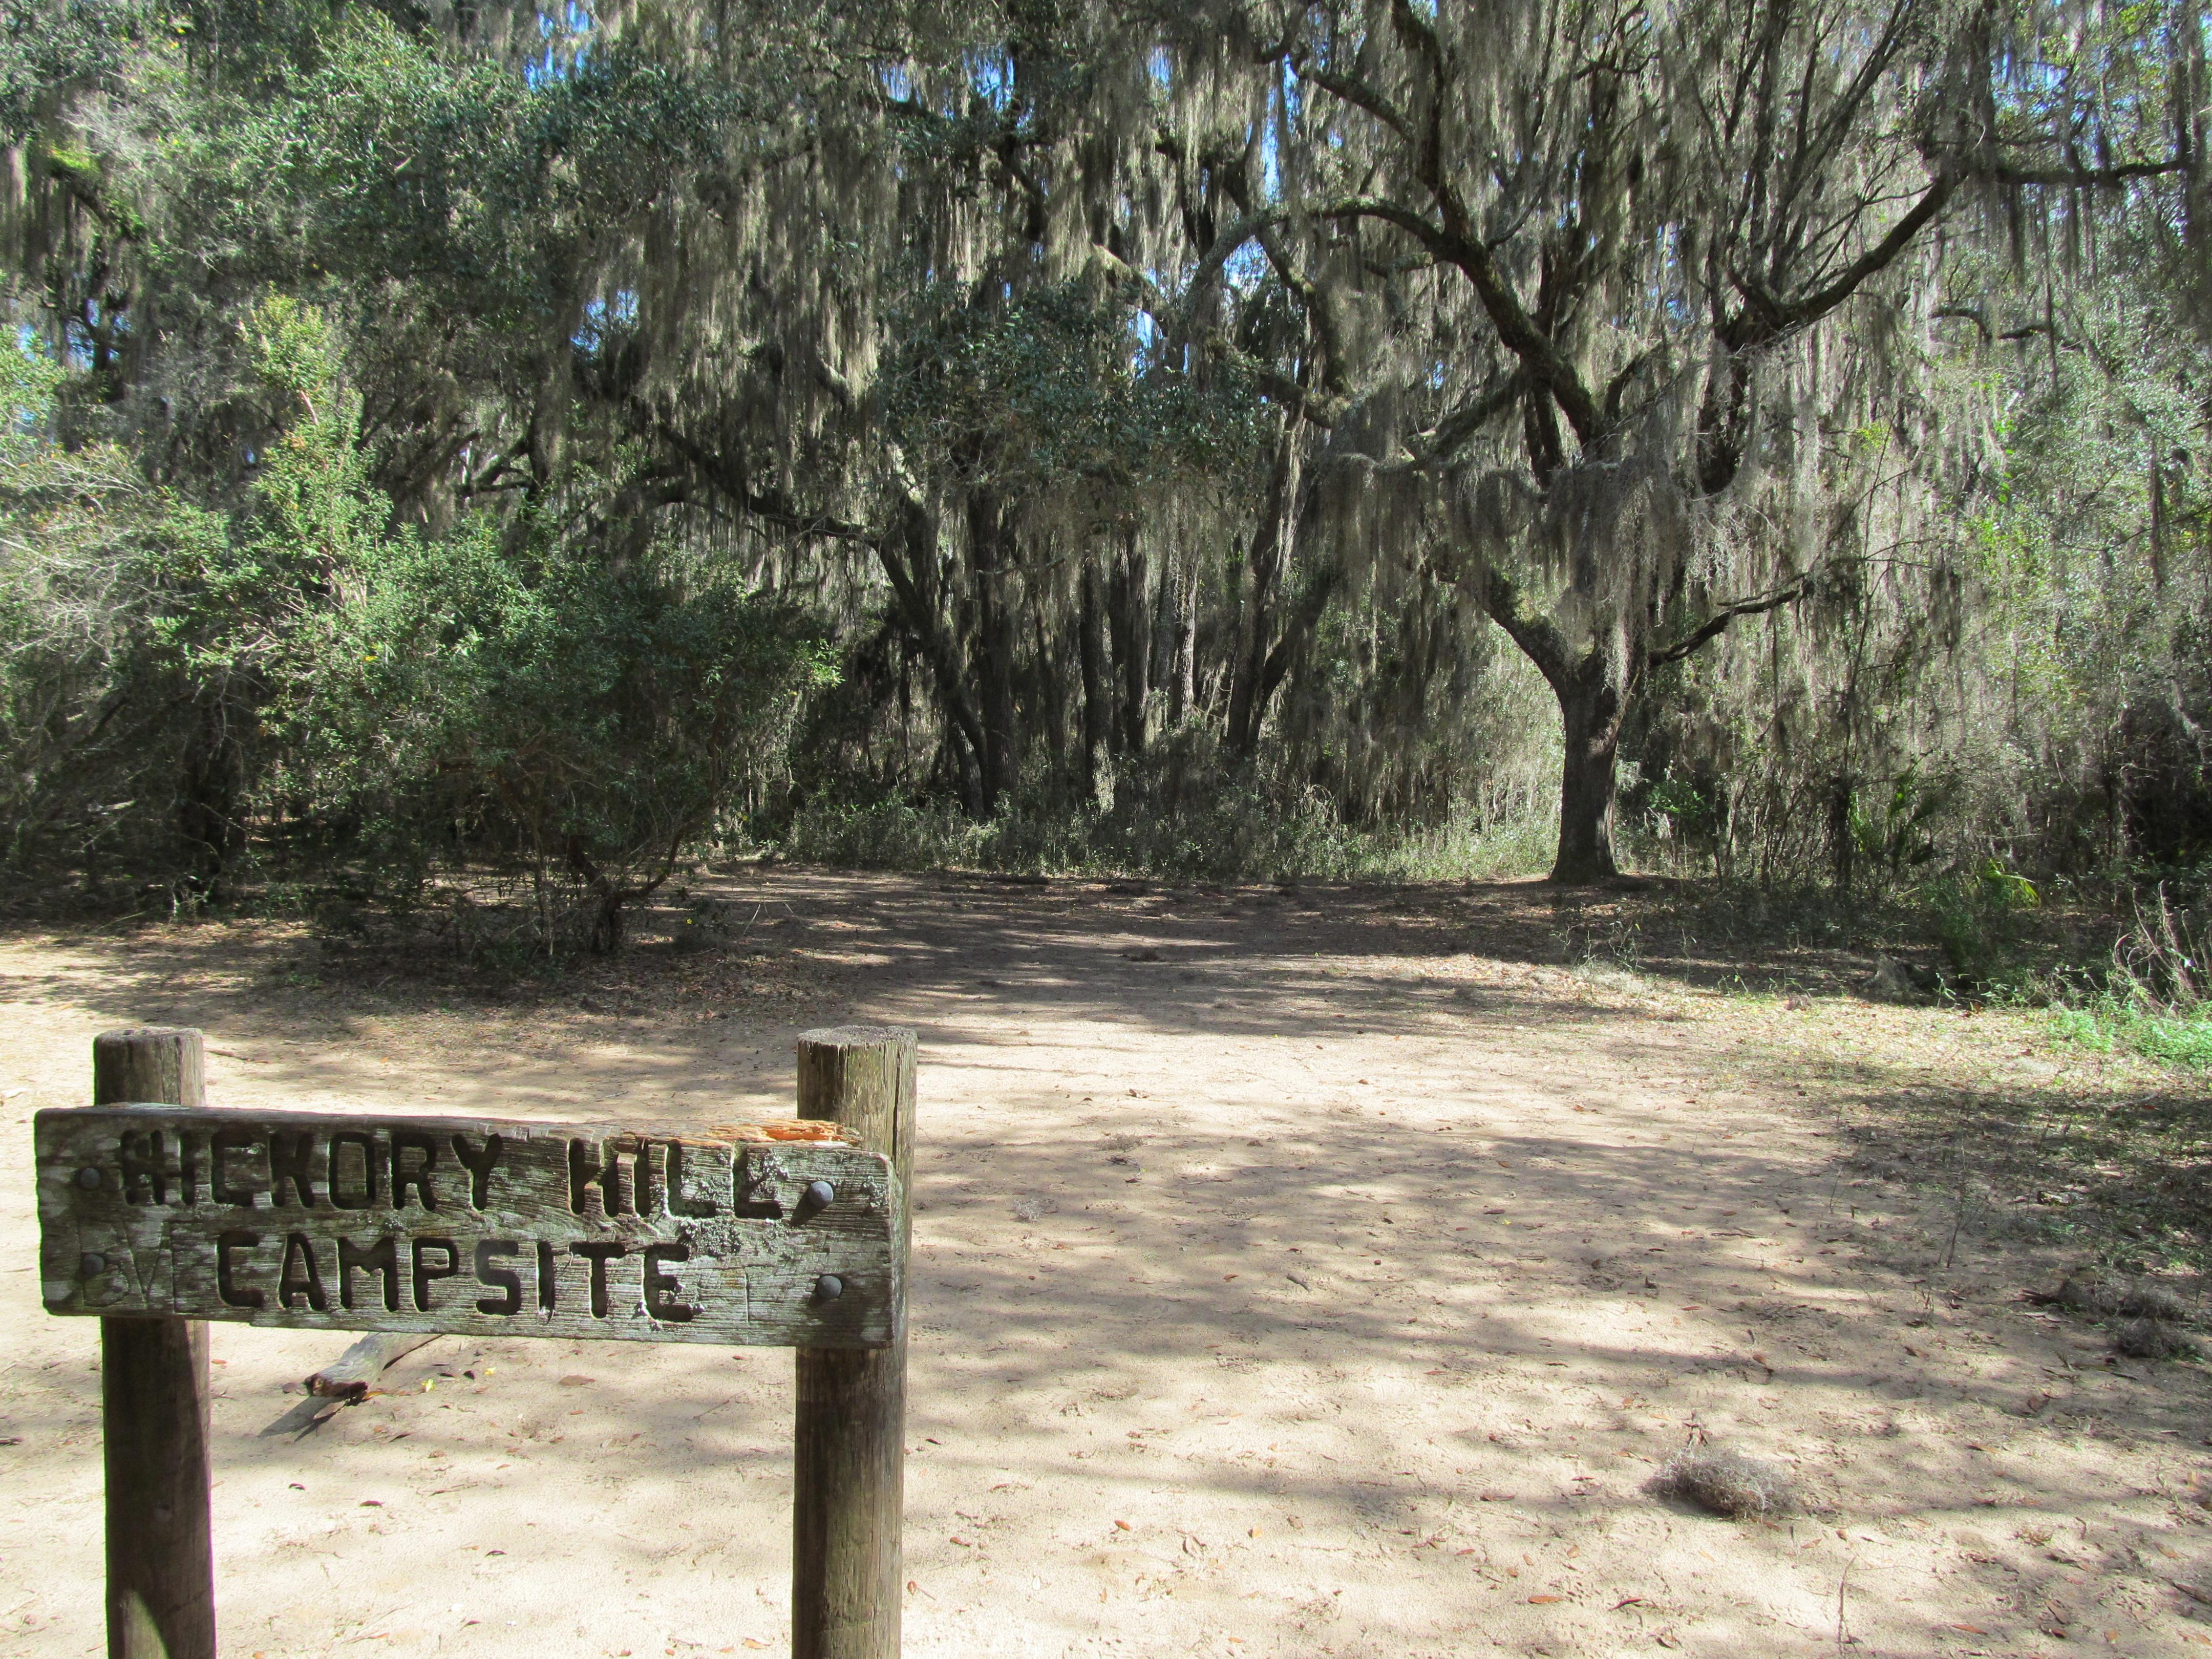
(360, 1365)
(1959, 1210)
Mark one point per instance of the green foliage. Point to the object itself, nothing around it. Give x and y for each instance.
(1051, 391)
(2108, 1025)
(592, 724)
(2156, 998)
(81, 44)
(1893, 832)
(392, 703)
(1976, 915)
(498, 694)
(80, 536)
(382, 157)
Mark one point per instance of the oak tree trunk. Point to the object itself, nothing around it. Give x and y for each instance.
(1594, 688)
(1248, 684)
(1131, 623)
(1591, 707)
(907, 551)
(989, 536)
(1097, 689)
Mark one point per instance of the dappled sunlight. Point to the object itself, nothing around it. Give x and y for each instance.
(1331, 1282)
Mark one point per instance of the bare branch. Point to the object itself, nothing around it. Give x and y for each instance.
(1470, 417)
(2079, 178)
(1716, 624)
(1516, 331)
(1812, 307)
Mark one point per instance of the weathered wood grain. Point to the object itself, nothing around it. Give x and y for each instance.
(848, 1442)
(154, 1412)
(472, 1226)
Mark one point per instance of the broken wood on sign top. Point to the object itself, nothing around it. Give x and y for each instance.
(786, 1128)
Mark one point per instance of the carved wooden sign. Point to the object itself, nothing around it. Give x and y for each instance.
(774, 1234)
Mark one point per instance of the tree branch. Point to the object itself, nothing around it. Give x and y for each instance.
(770, 505)
(1516, 331)
(1470, 417)
(2079, 178)
(1358, 93)
(1716, 624)
(1876, 260)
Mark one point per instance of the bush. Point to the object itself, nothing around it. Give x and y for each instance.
(586, 725)
(2150, 996)
(295, 687)
(1977, 916)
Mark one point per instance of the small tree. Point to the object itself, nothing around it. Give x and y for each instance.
(512, 692)
(180, 685)
(594, 724)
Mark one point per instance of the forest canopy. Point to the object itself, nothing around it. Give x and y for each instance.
(1765, 437)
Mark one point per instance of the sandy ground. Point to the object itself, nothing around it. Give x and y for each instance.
(1333, 1283)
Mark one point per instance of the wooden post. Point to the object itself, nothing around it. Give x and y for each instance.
(848, 1443)
(154, 1411)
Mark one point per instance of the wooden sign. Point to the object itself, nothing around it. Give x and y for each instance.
(777, 1234)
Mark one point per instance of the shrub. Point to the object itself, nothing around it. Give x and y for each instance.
(297, 686)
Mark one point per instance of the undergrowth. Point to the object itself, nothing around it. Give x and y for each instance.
(2151, 996)
(2110, 1026)
(1227, 832)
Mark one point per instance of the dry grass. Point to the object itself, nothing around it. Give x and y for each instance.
(2152, 1339)
(1727, 1483)
(2117, 1295)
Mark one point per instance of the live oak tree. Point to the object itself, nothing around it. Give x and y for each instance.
(1152, 401)
(1625, 291)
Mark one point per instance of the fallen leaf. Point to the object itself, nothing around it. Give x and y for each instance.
(1538, 1601)
(574, 1381)
(1123, 1525)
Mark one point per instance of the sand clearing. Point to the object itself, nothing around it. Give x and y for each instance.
(1295, 1274)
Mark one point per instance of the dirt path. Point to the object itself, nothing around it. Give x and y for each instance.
(1296, 1273)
